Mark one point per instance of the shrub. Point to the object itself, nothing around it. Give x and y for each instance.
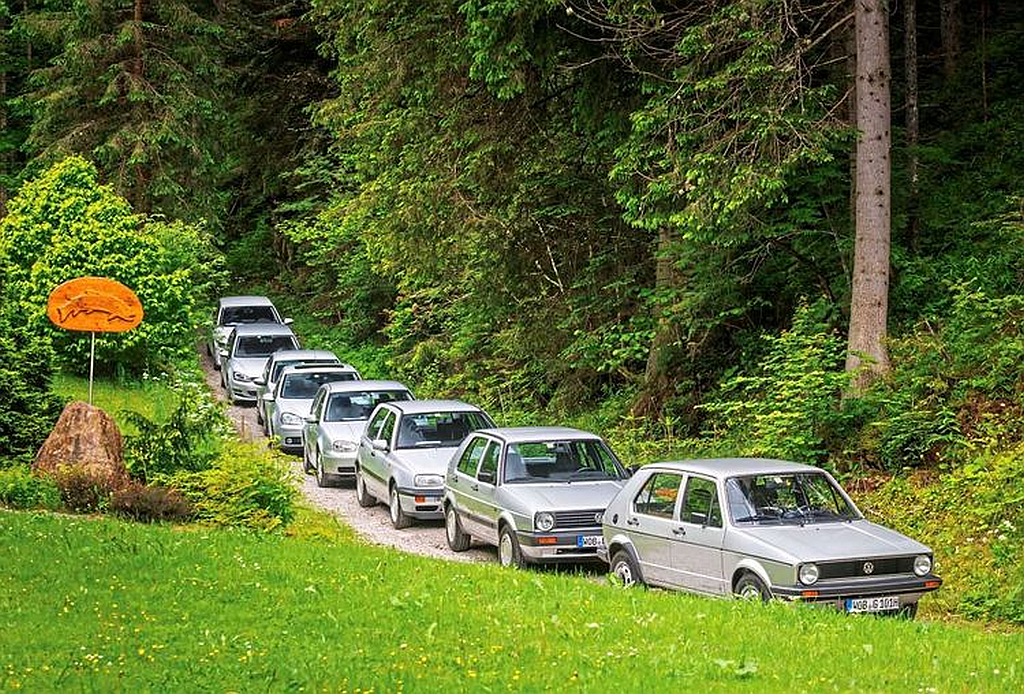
(247, 486)
(19, 488)
(65, 224)
(84, 491)
(149, 503)
(187, 441)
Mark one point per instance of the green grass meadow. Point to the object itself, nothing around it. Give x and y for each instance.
(99, 605)
(152, 398)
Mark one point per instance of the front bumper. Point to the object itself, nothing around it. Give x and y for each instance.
(339, 464)
(422, 503)
(290, 437)
(835, 593)
(243, 391)
(559, 546)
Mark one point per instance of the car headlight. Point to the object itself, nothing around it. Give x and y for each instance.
(922, 564)
(241, 377)
(808, 574)
(544, 521)
(428, 480)
(291, 419)
(342, 446)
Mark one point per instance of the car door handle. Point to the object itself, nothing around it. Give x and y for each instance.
(453, 479)
(475, 487)
(632, 521)
(679, 531)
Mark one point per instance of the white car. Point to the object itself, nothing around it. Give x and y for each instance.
(278, 361)
(246, 354)
(290, 403)
(239, 310)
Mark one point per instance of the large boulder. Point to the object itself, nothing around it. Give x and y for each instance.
(86, 438)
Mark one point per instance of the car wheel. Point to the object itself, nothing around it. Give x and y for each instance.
(321, 476)
(625, 569)
(307, 466)
(259, 416)
(750, 587)
(509, 552)
(398, 517)
(458, 539)
(363, 496)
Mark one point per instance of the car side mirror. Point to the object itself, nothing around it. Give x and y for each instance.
(224, 354)
(287, 321)
(268, 397)
(486, 476)
(632, 470)
(260, 381)
(380, 445)
(310, 419)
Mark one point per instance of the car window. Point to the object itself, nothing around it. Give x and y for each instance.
(373, 428)
(804, 497)
(489, 463)
(658, 496)
(560, 461)
(263, 345)
(281, 364)
(388, 429)
(700, 503)
(353, 406)
(305, 384)
(471, 456)
(234, 315)
(438, 429)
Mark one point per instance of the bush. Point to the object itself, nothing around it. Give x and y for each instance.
(247, 486)
(64, 225)
(149, 503)
(19, 488)
(187, 441)
(84, 491)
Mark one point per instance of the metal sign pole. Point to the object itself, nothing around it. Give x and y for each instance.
(92, 361)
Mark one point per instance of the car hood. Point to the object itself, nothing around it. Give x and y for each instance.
(425, 461)
(250, 366)
(575, 496)
(344, 431)
(833, 541)
(298, 406)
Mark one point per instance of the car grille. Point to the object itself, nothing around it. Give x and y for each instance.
(576, 519)
(858, 568)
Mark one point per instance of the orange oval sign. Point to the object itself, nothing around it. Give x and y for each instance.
(94, 304)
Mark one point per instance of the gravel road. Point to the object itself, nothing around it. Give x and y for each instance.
(372, 524)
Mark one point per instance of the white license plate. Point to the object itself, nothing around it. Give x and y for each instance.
(590, 540)
(886, 603)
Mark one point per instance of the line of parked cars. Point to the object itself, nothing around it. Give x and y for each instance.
(752, 528)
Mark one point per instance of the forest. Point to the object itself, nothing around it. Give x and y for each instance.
(784, 228)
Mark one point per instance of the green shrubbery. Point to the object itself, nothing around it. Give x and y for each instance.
(149, 503)
(19, 488)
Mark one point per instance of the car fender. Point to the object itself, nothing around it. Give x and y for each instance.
(754, 566)
(623, 541)
(508, 518)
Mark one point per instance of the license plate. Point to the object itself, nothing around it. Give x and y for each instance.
(590, 540)
(887, 603)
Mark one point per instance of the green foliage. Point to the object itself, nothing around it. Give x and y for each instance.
(247, 486)
(973, 518)
(64, 225)
(188, 441)
(229, 610)
(784, 407)
(20, 489)
(149, 503)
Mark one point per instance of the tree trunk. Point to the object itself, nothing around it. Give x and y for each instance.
(910, 28)
(656, 375)
(950, 28)
(870, 291)
(138, 196)
(850, 44)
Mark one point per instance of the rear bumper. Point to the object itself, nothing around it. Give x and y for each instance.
(561, 546)
(836, 593)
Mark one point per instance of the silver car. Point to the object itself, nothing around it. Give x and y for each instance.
(404, 452)
(761, 529)
(537, 493)
(246, 354)
(238, 310)
(330, 436)
(267, 382)
(292, 399)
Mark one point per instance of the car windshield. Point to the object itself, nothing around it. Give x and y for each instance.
(438, 429)
(282, 365)
(262, 345)
(561, 461)
(234, 315)
(805, 497)
(357, 406)
(303, 386)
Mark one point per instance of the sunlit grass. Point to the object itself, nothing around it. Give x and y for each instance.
(151, 398)
(99, 605)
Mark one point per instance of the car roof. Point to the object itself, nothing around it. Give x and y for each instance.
(303, 354)
(248, 329)
(733, 467)
(299, 368)
(360, 386)
(244, 301)
(431, 406)
(530, 434)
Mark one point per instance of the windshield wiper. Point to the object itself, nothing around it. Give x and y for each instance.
(757, 517)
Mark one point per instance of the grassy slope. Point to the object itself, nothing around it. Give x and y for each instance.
(153, 399)
(101, 605)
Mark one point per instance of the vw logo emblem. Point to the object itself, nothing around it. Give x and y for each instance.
(869, 568)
